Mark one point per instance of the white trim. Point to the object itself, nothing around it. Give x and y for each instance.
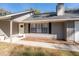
(11, 27)
(48, 20)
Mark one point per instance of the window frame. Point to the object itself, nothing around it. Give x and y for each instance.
(39, 28)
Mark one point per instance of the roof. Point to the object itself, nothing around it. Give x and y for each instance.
(12, 16)
(42, 17)
(51, 17)
(48, 18)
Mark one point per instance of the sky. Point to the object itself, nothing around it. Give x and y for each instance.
(43, 7)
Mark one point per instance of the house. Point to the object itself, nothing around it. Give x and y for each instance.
(4, 12)
(61, 25)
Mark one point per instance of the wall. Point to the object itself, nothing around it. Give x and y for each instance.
(70, 31)
(57, 30)
(15, 28)
(5, 28)
(25, 28)
(77, 31)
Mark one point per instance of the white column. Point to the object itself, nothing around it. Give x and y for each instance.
(11, 27)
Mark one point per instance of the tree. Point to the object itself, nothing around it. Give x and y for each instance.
(36, 12)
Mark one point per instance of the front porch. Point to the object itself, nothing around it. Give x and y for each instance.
(54, 30)
(50, 29)
(33, 37)
(47, 38)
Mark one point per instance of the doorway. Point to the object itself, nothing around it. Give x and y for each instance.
(21, 28)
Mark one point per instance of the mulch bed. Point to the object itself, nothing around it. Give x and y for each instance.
(48, 40)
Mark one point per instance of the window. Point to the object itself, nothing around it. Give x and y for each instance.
(45, 28)
(33, 28)
(39, 28)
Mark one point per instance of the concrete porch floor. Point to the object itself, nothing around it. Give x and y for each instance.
(19, 36)
(39, 35)
(35, 37)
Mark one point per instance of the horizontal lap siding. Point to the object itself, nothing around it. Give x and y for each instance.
(57, 30)
(15, 28)
(25, 28)
(5, 28)
(70, 30)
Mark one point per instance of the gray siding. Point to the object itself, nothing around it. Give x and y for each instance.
(70, 30)
(58, 30)
(15, 28)
(5, 28)
(25, 28)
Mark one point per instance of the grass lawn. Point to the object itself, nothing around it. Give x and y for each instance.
(20, 50)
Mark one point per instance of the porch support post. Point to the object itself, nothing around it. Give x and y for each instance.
(11, 23)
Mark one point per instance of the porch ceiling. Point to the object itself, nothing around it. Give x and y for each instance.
(44, 21)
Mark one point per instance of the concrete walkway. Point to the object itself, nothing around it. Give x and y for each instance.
(49, 45)
(17, 40)
(43, 44)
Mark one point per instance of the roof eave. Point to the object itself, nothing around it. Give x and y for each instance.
(46, 21)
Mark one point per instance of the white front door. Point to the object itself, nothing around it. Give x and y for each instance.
(21, 28)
